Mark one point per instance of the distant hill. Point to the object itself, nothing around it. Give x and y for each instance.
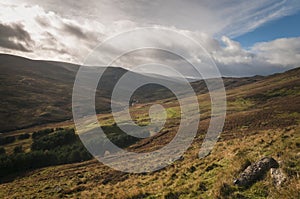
(36, 92)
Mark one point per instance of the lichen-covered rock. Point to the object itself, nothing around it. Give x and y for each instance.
(278, 176)
(256, 171)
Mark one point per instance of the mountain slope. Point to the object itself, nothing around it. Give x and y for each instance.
(37, 92)
(263, 119)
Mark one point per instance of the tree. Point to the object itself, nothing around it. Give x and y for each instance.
(18, 149)
(75, 156)
(7, 140)
(23, 136)
(2, 151)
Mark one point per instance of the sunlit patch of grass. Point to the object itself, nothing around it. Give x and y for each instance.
(283, 92)
(289, 116)
(239, 104)
(173, 112)
(26, 144)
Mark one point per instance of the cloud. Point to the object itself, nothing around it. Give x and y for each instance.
(230, 52)
(13, 36)
(214, 17)
(245, 16)
(43, 21)
(284, 51)
(261, 59)
(70, 31)
(231, 59)
(79, 32)
(75, 30)
(45, 34)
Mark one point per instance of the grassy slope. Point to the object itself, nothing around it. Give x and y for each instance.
(42, 91)
(263, 119)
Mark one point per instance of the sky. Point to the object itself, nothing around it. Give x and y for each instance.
(284, 27)
(243, 38)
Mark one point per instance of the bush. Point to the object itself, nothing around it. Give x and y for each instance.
(52, 141)
(172, 195)
(7, 140)
(20, 162)
(23, 136)
(24, 161)
(18, 149)
(59, 148)
(2, 151)
(118, 137)
(42, 133)
(225, 190)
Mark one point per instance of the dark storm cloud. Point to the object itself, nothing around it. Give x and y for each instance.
(79, 32)
(88, 37)
(13, 36)
(67, 28)
(75, 30)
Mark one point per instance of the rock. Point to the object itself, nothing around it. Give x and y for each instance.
(256, 171)
(278, 176)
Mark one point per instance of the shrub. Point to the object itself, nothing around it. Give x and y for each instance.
(225, 191)
(23, 136)
(2, 151)
(75, 156)
(20, 162)
(59, 148)
(7, 140)
(172, 195)
(18, 149)
(42, 133)
(52, 141)
(118, 137)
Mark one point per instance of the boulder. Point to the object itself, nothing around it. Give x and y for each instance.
(256, 171)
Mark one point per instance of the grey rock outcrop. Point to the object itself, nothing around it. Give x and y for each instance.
(256, 171)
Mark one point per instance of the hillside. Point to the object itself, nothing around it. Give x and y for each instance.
(37, 92)
(262, 120)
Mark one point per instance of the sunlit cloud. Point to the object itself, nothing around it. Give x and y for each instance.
(70, 30)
